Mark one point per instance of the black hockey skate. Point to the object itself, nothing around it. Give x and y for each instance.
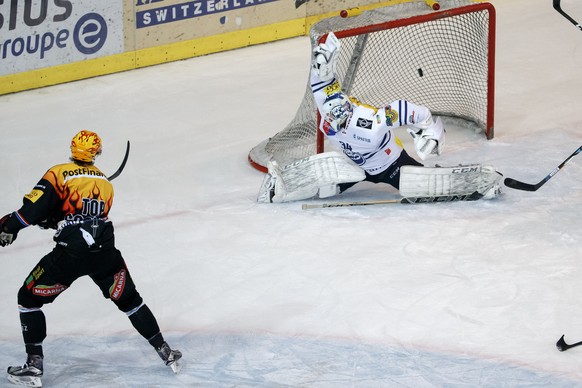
(172, 358)
(29, 374)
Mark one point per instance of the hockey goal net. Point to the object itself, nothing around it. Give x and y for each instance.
(441, 59)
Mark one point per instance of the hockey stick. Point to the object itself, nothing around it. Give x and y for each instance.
(407, 200)
(558, 8)
(518, 185)
(120, 169)
(306, 206)
(563, 346)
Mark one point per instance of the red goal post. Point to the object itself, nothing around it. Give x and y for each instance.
(442, 59)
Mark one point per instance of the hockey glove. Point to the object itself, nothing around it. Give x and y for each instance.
(323, 63)
(325, 57)
(6, 238)
(430, 141)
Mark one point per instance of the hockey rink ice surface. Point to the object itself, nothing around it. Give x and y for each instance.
(467, 294)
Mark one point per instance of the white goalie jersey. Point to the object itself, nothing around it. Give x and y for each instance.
(368, 136)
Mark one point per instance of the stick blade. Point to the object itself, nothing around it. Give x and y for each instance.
(561, 344)
(515, 184)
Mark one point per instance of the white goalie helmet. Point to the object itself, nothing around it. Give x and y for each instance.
(337, 108)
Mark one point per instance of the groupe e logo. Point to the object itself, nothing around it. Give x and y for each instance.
(89, 33)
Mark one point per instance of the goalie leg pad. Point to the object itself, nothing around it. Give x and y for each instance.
(307, 177)
(446, 181)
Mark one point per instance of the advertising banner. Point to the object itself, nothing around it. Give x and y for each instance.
(37, 34)
(159, 22)
(168, 21)
(47, 42)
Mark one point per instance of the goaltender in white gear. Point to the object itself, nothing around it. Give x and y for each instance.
(366, 137)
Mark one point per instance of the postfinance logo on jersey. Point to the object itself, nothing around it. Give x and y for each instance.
(82, 171)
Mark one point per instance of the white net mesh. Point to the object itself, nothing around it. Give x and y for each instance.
(442, 60)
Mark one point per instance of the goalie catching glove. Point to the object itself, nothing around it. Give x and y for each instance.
(325, 56)
(308, 177)
(470, 182)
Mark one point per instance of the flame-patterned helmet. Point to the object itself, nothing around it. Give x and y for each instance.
(85, 146)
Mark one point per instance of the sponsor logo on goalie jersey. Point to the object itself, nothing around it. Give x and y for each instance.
(363, 123)
(360, 138)
(391, 116)
(332, 89)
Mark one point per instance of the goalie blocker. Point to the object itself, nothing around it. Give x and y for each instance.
(319, 175)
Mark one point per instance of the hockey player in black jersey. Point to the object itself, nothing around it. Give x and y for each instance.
(75, 198)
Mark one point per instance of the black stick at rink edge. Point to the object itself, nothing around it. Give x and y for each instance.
(558, 7)
(563, 346)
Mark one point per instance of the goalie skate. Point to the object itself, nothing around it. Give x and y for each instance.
(469, 182)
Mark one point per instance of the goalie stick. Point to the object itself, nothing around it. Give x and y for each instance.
(563, 346)
(407, 200)
(306, 206)
(558, 7)
(518, 185)
(120, 169)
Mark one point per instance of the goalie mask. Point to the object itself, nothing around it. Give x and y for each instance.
(85, 146)
(337, 108)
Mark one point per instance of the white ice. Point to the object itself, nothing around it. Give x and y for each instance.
(439, 295)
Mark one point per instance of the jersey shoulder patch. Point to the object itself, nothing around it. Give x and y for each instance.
(34, 195)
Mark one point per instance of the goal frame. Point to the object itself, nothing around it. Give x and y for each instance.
(419, 19)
